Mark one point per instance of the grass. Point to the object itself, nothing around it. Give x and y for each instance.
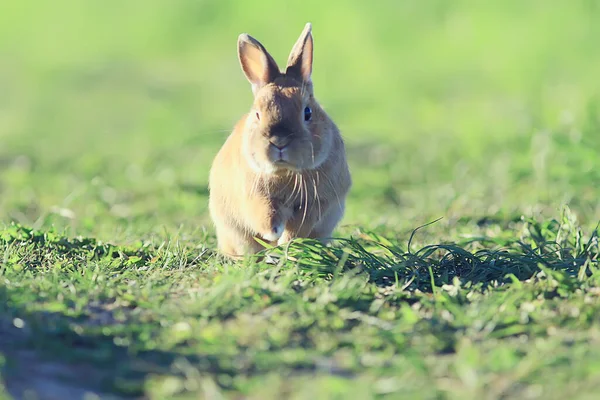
(363, 318)
(486, 116)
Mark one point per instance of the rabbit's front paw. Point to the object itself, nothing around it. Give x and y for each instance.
(277, 223)
(275, 232)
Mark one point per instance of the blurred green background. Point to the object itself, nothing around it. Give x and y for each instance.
(111, 111)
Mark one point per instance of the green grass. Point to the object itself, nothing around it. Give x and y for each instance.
(484, 115)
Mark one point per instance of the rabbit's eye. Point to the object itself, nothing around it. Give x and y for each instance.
(257, 116)
(307, 114)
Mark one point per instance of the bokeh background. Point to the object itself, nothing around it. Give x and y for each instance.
(111, 111)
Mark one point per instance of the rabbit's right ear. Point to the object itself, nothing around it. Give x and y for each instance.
(301, 58)
(258, 65)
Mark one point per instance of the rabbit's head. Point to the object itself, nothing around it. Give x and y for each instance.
(286, 129)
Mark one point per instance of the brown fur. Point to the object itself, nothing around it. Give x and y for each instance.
(277, 176)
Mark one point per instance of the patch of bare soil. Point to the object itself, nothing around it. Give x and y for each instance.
(28, 376)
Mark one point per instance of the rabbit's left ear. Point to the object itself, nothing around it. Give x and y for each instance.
(300, 60)
(258, 65)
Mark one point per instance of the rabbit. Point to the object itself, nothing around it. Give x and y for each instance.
(282, 172)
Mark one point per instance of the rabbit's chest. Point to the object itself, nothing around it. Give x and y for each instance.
(299, 195)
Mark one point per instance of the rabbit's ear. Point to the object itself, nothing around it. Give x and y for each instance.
(300, 61)
(257, 64)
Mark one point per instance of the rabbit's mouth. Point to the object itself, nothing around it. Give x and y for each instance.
(280, 157)
(284, 165)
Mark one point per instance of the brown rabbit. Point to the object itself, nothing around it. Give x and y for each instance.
(282, 172)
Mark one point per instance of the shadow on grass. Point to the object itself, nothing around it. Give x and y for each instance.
(83, 249)
(57, 355)
(46, 355)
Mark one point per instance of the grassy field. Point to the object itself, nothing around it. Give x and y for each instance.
(483, 117)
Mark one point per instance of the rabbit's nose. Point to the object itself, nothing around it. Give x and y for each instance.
(280, 141)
